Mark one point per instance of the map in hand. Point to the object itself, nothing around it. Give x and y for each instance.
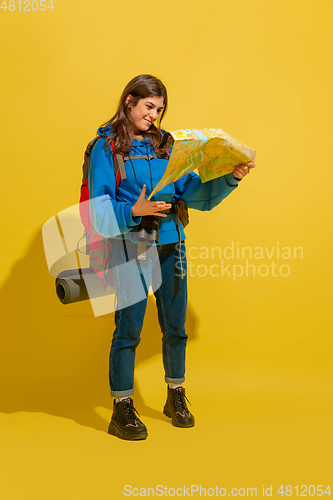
(210, 150)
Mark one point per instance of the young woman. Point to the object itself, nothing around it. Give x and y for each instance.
(135, 131)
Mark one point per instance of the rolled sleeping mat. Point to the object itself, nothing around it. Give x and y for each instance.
(71, 285)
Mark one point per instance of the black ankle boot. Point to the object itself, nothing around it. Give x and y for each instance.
(124, 422)
(176, 408)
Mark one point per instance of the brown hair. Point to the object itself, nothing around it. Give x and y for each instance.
(140, 87)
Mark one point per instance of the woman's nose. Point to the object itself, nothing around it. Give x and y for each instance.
(154, 114)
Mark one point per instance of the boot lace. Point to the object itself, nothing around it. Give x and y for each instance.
(130, 413)
(180, 403)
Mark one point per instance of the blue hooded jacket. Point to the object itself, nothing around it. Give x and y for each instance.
(111, 212)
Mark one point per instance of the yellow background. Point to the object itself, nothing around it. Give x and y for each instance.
(259, 361)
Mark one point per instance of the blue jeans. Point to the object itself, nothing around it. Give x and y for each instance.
(171, 300)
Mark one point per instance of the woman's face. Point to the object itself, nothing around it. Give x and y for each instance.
(145, 112)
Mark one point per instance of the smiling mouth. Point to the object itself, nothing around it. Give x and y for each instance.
(147, 121)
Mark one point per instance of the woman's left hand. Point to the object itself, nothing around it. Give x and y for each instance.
(243, 169)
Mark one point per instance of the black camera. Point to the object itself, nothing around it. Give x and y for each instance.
(148, 229)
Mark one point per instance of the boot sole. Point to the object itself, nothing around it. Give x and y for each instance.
(168, 413)
(115, 431)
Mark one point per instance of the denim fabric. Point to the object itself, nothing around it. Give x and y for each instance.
(171, 300)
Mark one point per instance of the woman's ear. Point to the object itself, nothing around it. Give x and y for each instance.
(128, 98)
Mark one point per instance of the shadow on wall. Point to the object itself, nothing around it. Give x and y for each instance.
(54, 358)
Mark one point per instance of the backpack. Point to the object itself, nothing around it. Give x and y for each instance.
(97, 246)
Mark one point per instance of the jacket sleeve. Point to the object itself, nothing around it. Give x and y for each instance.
(110, 217)
(204, 195)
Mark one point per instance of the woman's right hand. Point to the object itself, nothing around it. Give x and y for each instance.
(144, 207)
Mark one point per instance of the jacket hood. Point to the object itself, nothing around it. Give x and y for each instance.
(140, 145)
(104, 131)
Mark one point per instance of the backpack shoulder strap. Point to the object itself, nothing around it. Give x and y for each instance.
(119, 167)
(86, 158)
